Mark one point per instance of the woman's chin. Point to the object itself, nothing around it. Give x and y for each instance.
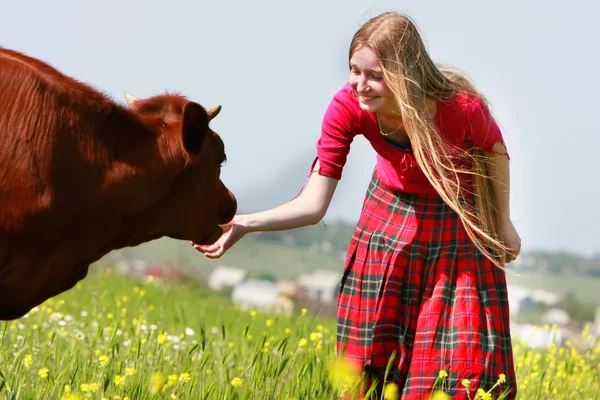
(372, 108)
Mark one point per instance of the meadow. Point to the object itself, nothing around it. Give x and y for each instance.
(114, 337)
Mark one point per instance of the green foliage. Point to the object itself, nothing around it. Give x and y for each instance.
(577, 310)
(265, 276)
(115, 337)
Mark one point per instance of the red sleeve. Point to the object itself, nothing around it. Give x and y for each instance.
(337, 132)
(482, 130)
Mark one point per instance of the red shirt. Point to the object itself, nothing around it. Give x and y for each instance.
(462, 120)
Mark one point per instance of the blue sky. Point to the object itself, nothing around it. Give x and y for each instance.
(274, 67)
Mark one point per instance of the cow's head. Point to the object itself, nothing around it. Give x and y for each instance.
(196, 201)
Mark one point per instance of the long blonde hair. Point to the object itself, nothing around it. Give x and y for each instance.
(412, 77)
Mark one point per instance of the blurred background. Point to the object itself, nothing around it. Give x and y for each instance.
(274, 66)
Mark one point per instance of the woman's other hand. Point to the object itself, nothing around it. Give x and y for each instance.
(511, 239)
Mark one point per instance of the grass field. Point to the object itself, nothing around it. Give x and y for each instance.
(114, 338)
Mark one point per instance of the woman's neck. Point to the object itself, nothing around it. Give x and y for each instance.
(392, 124)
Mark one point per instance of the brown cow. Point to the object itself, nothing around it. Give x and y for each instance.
(81, 175)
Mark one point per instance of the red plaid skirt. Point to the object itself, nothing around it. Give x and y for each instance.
(415, 284)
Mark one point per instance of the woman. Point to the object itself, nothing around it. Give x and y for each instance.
(423, 281)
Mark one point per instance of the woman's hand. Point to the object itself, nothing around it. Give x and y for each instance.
(511, 239)
(232, 232)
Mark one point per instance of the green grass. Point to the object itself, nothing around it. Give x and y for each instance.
(112, 337)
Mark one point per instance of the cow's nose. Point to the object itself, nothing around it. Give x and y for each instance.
(227, 206)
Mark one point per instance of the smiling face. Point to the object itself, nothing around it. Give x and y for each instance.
(366, 80)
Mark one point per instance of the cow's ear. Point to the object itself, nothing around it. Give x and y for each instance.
(194, 127)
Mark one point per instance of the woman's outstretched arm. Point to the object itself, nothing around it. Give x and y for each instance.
(306, 209)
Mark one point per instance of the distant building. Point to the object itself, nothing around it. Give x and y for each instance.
(536, 337)
(556, 316)
(321, 285)
(287, 288)
(526, 299)
(163, 272)
(256, 294)
(131, 267)
(226, 277)
(287, 291)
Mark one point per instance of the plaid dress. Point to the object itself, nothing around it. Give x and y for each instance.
(415, 284)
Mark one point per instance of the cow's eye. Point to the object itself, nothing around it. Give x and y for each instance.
(163, 125)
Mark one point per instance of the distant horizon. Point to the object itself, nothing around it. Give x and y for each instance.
(593, 256)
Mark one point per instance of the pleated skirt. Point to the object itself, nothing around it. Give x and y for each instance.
(417, 293)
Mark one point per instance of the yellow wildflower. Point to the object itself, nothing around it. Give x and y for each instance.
(269, 323)
(157, 381)
(70, 396)
(28, 360)
(253, 314)
(343, 374)
(43, 373)
(303, 312)
(439, 395)
(104, 360)
(172, 380)
(502, 378)
(288, 331)
(119, 380)
(184, 377)
(129, 371)
(390, 391)
(236, 382)
(483, 395)
(466, 383)
(89, 387)
(161, 339)
(303, 342)
(442, 374)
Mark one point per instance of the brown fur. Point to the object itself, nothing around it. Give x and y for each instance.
(81, 175)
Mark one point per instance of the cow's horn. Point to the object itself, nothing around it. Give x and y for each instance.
(213, 111)
(130, 98)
